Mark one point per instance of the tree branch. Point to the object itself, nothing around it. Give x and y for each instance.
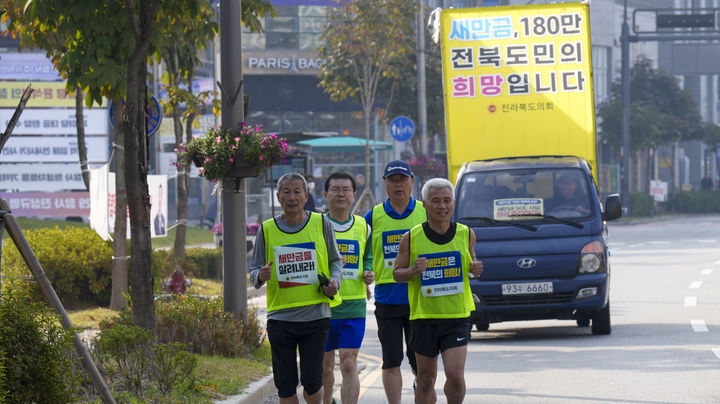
(16, 116)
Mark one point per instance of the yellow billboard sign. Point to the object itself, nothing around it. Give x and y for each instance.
(45, 94)
(517, 82)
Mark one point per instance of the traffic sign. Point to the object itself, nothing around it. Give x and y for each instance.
(154, 115)
(402, 128)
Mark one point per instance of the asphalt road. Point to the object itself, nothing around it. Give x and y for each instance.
(664, 346)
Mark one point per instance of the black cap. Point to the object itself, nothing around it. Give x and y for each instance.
(397, 167)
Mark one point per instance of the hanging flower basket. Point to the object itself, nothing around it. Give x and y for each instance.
(198, 159)
(233, 153)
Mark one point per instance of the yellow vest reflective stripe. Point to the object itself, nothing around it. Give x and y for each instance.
(351, 244)
(386, 235)
(443, 289)
(298, 259)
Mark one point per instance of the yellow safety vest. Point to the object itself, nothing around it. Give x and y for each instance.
(351, 244)
(386, 235)
(298, 258)
(443, 289)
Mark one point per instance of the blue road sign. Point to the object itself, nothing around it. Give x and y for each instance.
(402, 128)
(154, 115)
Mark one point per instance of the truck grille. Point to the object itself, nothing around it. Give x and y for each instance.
(517, 300)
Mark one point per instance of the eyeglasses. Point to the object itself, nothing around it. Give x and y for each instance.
(337, 190)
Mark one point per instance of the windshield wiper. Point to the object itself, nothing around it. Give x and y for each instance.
(557, 219)
(497, 222)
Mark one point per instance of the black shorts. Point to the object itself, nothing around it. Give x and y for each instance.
(285, 338)
(431, 336)
(393, 320)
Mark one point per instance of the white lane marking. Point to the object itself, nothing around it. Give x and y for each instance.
(617, 243)
(717, 262)
(636, 245)
(707, 241)
(707, 271)
(658, 242)
(696, 285)
(699, 326)
(690, 301)
(716, 351)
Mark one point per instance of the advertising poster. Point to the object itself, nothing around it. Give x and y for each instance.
(508, 69)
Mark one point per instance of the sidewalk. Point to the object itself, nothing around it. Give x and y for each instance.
(263, 391)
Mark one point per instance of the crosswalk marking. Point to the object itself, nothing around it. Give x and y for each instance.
(690, 301)
(699, 326)
(696, 285)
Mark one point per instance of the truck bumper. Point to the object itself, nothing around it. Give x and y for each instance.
(571, 299)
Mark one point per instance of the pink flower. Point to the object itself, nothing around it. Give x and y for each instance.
(237, 139)
(207, 159)
(218, 139)
(232, 160)
(261, 157)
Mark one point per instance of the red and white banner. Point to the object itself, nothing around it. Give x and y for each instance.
(48, 204)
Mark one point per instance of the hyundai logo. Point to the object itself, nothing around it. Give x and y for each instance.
(526, 263)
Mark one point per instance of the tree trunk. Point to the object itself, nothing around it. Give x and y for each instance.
(183, 182)
(119, 266)
(136, 161)
(82, 149)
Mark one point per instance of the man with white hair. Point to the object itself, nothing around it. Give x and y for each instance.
(435, 258)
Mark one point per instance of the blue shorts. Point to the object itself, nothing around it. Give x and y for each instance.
(346, 333)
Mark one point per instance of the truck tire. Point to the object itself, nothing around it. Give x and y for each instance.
(601, 321)
(583, 322)
(482, 325)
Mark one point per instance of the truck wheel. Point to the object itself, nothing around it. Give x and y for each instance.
(583, 322)
(482, 325)
(601, 321)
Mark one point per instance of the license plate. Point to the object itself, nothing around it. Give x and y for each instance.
(527, 288)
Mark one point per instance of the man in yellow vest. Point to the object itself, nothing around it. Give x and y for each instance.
(292, 253)
(389, 221)
(442, 254)
(347, 324)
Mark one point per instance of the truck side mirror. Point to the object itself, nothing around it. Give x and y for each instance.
(613, 207)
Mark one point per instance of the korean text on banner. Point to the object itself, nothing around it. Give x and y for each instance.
(520, 71)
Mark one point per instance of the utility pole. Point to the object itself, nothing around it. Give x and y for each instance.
(233, 189)
(625, 152)
(421, 93)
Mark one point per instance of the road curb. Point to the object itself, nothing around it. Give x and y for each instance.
(255, 393)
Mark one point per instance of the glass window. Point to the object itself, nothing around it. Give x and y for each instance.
(309, 41)
(325, 122)
(282, 24)
(281, 40)
(312, 24)
(297, 121)
(312, 11)
(254, 42)
(565, 193)
(601, 72)
(284, 11)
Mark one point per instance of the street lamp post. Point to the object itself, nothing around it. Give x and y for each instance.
(625, 74)
(233, 194)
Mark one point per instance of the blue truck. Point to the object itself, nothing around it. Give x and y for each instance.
(542, 236)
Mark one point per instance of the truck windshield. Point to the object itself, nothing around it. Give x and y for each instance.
(537, 194)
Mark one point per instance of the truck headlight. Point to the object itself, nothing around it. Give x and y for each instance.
(592, 258)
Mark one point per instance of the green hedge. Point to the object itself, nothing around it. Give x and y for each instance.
(694, 202)
(78, 264)
(75, 259)
(37, 360)
(641, 204)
